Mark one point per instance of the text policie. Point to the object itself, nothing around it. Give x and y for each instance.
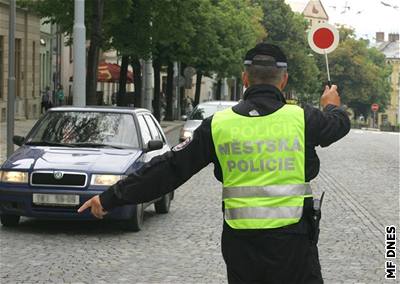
(258, 147)
(390, 254)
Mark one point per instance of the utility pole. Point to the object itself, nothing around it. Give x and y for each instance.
(147, 89)
(177, 77)
(11, 79)
(147, 95)
(79, 75)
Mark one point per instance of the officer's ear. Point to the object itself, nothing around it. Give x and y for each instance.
(245, 79)
(284, 81)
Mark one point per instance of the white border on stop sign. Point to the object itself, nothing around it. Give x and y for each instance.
(315, 48)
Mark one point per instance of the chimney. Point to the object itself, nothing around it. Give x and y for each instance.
(393, 37)
(380, 36)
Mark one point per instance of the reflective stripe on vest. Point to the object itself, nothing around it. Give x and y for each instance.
(265, 191)
(262, 162)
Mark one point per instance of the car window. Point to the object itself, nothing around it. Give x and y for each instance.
(144, 129)
(79, 127)
(153, 128)
(201, 112)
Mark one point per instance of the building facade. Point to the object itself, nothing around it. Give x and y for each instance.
(27, 63)
(313, 10)
(391, 49)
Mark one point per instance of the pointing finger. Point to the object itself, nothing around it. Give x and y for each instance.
(85, 206)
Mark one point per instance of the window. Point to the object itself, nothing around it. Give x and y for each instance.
(155, 133)
(74, 127)
(144, 130)
(1, 67)
(33, 67)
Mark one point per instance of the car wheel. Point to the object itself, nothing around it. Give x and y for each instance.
(162, 206)
(135, 223)
(9, 220)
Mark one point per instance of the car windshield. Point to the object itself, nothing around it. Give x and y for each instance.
(201, 112)
(86, 129)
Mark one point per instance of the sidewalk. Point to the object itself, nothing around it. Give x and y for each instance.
(22, 127)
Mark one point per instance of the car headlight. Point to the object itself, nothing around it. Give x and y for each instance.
(186, 134)
(106, 180)
(13, 177)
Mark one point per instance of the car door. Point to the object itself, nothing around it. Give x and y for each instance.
(156, 133)
(146, 137)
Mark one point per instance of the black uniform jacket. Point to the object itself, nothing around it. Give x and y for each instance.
(167, 172)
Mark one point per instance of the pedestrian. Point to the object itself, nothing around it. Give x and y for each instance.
(188, 105)
(264, 155)
(46, 100)
(60, 95)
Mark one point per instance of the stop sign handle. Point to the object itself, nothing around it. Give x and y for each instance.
(327, 69)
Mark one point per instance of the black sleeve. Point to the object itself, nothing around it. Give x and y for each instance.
(327, 126)
(164, 173)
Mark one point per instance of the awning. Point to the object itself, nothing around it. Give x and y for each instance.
(109, 72)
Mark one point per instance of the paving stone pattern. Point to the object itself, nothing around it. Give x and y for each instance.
(359, 176)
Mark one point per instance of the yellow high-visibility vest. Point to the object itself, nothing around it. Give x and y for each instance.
(262, 162)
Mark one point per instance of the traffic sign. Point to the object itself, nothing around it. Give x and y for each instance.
(323, 38)
(374, 107)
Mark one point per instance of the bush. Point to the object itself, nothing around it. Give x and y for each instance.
(391, 128)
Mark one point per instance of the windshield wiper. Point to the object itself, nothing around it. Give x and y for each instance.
(99, 145)
(47, 143)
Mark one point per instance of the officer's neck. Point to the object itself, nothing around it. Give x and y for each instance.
(264, 89)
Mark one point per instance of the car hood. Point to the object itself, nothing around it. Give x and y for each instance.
(191, 125)
(76, 159)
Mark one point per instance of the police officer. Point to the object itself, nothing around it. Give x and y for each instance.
(264, 155)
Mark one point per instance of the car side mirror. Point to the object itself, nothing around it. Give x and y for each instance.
(18, 140)
(153, 145)
(184, 117)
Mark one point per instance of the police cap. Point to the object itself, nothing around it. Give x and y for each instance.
(266, 49)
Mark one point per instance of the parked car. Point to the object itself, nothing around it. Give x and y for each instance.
(72, 154)
(199, 113)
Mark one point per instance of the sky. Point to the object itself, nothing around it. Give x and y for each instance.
(366, 16)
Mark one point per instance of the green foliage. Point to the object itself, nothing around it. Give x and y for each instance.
(238, 27)
(61, 12)
(360, 73)
(288, 30)
(130, 31)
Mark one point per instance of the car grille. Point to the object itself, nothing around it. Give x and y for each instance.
(68, 179)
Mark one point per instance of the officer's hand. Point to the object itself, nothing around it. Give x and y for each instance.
(330, 96)
(95, 207)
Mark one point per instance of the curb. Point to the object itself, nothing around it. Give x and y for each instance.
(370, 129)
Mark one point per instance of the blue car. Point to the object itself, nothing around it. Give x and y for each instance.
(72, 154)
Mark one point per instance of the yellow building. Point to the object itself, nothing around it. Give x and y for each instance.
(27, 63)
(391, 49)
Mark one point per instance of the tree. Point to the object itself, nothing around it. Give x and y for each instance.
(98, 19)
(131, 37)
(360, 73)
(172, 30)
(224, 31)
(288, 30)
(93, 52)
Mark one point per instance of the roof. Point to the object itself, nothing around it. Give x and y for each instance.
(315, 9)
(389, 49)
(100, 109)
(310, 8)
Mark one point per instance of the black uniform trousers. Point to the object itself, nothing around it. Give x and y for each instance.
(287, 255)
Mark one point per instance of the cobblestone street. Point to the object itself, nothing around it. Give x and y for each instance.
(360, 178)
